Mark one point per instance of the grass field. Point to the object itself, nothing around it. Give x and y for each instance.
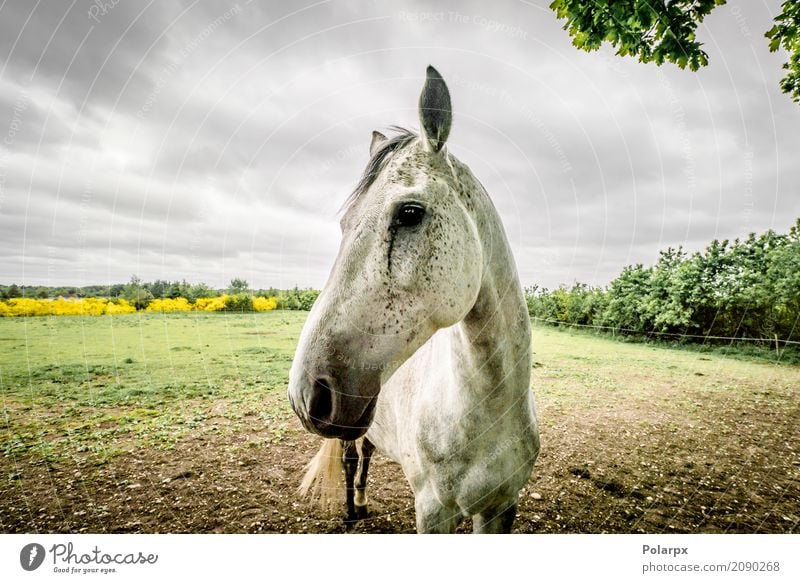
(88, 388)
(179, 423)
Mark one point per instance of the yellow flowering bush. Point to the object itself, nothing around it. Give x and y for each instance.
(169, 305)
(264, 304)
(120, 307)
(64, 307)
(211, 304)
(102, 306)
(91, 306)
(27, 307)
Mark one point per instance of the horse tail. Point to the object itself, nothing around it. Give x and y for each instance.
(322, 482)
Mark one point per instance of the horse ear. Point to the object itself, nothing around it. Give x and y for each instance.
(377, 140)
(435, 111)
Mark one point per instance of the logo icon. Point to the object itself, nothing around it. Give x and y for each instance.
(31, 556)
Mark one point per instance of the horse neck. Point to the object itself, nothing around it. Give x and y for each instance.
(496, 333)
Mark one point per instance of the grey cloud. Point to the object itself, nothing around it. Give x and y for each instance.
(216, 141)
(90, 61)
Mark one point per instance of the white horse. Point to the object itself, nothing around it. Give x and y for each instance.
(420, 343)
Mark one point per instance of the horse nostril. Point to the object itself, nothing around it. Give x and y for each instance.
(321, 404)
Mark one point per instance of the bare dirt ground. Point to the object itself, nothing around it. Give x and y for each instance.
(635, 439)
(593, 476)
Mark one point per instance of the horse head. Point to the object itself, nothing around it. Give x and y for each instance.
(410, 263)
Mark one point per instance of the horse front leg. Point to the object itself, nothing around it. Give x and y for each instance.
(433, 517)
(350, 459)
(497, 520)
(365, 454)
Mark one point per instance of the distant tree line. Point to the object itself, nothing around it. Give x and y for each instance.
(239, 296)
(748, 288)
(742, 289)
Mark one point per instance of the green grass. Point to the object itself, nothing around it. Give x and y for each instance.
(89, 404)
(95, 387)
(745, 350)
(596, 370)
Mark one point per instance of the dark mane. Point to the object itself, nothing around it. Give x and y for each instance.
(378, 162)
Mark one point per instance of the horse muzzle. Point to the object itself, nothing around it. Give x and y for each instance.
(327, 410)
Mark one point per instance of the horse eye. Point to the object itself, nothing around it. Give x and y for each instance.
(409, 215)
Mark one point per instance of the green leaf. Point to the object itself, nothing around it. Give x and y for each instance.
(772, 32)
(666, 31)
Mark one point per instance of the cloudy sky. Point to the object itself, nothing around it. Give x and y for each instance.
(207, 141)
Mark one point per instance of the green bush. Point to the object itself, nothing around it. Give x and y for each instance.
(748, 288)
(241, 302)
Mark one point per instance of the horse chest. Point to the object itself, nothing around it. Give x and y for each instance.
(463, 459)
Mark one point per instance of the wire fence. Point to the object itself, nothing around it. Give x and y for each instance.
(614, 329)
